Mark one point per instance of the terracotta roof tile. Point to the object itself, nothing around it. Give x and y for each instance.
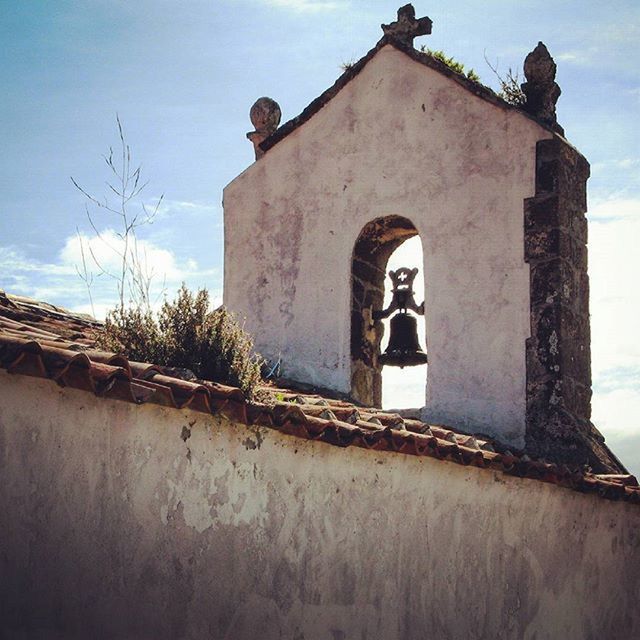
(30, 346)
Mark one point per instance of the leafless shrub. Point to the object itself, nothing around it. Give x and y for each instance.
(510, 90)
(125, 185)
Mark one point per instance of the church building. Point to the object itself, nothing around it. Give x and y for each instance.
(401, 145)
(140, 502)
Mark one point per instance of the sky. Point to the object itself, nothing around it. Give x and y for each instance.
(182, 76)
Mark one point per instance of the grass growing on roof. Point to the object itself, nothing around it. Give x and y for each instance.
(453, 64)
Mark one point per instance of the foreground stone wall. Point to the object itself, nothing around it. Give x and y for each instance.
(138, 522)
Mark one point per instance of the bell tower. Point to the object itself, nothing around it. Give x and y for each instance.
(401, 145)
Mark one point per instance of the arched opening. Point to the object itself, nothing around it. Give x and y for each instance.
(405, 388)
(376, 243)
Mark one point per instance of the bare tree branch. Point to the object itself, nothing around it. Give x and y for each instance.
(510, 90)
(134, 276)
(86, 276)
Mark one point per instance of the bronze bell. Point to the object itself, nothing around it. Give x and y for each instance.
(404, 348)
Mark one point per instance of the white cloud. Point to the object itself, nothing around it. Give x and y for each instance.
(634, 93)
(169, 208)
(106, 251)
(600, 45)
(573, 56)
(617, 416)
(629, 163)
(614, 270)
(13, 260)
(618, 412)
(59, 282)
(623, 172)
(620, 33)
(305, 5)
(41, 280)
(615, 208)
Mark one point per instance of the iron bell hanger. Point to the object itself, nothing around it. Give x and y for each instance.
(404, 348)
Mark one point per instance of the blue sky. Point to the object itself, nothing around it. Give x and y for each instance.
(183, 75)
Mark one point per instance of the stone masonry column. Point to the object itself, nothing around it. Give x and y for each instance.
(558, 352)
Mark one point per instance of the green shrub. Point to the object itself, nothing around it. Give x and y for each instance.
(134, 333)
(453, 64)
(186, 335)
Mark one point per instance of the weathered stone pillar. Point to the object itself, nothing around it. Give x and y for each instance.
(558, 352)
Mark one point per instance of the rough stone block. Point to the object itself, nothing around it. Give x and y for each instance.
(552, 281)
(541, 244)
(367, 271)
(577, 398)
(357, 292)
(579, 227)
(543, 212)
(574, 358)
(561, 169)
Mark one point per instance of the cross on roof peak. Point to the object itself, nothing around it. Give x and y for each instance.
(407, 27)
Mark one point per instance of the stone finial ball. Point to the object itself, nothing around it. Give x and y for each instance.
(265, 114)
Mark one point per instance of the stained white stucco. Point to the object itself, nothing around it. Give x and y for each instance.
(399, 139)
(137, 522)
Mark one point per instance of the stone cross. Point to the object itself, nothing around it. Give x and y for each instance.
(406, 27)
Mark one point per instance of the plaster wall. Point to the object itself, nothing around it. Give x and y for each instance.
(136, 522)
(399, 139)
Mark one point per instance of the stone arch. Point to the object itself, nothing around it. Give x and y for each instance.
(377, 240)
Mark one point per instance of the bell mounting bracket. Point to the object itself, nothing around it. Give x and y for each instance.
(403, 295)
